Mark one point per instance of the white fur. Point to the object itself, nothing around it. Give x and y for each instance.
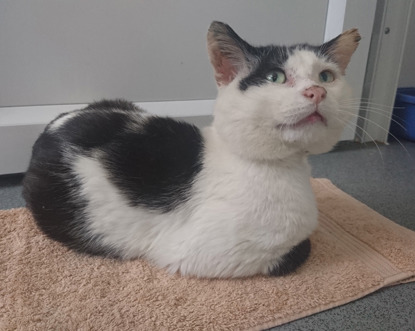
(137, 119)
(252, 201)
(56, 124)
(241, 218)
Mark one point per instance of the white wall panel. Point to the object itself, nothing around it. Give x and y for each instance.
(77, 51)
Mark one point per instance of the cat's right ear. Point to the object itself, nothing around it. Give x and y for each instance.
(228, 53)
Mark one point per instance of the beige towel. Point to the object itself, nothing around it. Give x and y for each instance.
(44, 286)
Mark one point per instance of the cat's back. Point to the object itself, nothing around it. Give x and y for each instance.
(109, 148)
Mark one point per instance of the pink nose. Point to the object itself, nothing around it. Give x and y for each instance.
(315, 94)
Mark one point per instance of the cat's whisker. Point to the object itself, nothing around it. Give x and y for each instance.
(383, 114)
(359, 102)
(371, 121)
(367, 101)
(375, 110)
(382, 128)
(380, 112)
(352, 126)
(366, 105)
(368, 108)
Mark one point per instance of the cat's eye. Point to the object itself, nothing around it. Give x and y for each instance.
(276, 76)
(326, 76)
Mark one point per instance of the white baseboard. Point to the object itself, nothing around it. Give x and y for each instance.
(20, 126)
(31, 115)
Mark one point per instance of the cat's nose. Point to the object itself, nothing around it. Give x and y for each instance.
(315, 94)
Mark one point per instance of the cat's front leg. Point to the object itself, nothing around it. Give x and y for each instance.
(292, 260)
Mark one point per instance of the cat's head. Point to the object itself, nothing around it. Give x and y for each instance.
(274, 101)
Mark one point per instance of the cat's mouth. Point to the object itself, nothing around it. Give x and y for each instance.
(313, 118)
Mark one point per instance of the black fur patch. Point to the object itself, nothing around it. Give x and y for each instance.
(112, 104)
(293, 259)
(92, 129)
(97, 124)
(50, 191)
(260, 61)
(268, 59)
(156, 166)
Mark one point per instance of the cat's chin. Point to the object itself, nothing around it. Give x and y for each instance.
(312, 135)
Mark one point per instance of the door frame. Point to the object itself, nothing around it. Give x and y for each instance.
(386, 53)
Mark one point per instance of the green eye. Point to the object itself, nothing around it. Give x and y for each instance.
(326, 76)
(277, 76)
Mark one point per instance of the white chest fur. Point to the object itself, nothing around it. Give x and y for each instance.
(244, 215)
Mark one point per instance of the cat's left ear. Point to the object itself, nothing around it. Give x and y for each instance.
(228, 53)
(341, 48)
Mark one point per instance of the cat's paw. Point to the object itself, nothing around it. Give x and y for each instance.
(292, 260)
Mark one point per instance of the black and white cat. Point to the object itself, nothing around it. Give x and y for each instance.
(233, 200)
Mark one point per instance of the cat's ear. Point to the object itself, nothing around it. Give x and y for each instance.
(228, 53)
(341, 48)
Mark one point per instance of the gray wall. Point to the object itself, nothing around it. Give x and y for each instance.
(407, 76)
(61, 52)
